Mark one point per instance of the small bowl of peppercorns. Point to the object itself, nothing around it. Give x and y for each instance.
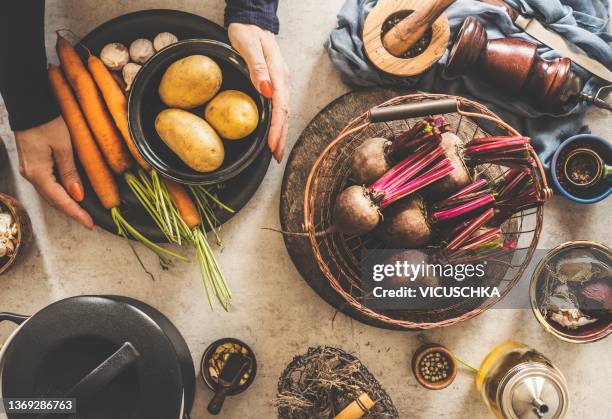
(434, 366)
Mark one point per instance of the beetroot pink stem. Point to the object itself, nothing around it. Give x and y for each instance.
(482, 239)
(478, 222)
(470, 188)
(437, 172)
(513, 182)
(502, 146)
(408, 168)
(460, 210)
(485, 140)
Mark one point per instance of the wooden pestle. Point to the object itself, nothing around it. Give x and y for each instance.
(406, 33)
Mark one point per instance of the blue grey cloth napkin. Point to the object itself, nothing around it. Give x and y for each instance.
(583, 22)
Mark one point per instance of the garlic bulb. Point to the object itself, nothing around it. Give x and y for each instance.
(164, 39)
(129, 74)
(8, 234)
(115, 56)
(141, 50)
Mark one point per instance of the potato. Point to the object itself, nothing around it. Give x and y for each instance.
(190, 82)
(191, 138)
(233, 114)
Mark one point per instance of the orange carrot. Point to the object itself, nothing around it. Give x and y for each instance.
(116, 103)
(99, 120)
(97, 171)
(184, 203)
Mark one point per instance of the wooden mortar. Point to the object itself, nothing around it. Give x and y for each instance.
(407, 32)
(426, 14)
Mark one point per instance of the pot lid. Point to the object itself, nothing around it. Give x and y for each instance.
(111, 356)
(535, 392)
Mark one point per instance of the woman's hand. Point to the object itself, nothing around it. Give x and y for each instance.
(41, 149)
(270, 76)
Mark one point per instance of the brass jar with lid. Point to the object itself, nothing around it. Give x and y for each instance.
(518, 382)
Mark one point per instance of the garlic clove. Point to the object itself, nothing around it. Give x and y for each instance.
(6, 220)
(164, 39)
(7, 247)
(141, 50)
(14, 231)
(115, 56)
(129, 74)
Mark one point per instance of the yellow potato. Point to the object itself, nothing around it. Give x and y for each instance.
(190, 82)
(191, 138)
(233, 114)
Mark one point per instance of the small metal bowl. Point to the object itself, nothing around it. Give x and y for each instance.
(585, 334)
(210, 382)
(24, 230)
(144, 104)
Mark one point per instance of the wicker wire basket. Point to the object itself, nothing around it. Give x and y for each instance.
(338, 255)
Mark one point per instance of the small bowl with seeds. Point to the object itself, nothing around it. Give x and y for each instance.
(215, 357)
(434, 366)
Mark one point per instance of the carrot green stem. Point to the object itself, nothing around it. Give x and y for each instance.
(212, 277)
(125, 229)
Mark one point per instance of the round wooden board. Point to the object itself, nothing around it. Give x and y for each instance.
(323, 128)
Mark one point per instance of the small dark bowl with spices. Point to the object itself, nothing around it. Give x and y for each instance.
(214, 359)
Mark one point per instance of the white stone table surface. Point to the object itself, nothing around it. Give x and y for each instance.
(274, 309)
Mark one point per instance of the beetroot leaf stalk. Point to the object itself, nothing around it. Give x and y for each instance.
(408, 176)
(477, 196)
(506, 151)
(420, 134)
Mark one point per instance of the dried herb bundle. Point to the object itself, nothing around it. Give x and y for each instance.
(322, 382)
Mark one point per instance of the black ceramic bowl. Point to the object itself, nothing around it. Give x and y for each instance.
(144, 105)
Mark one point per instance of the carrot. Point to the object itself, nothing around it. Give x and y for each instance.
(212, 277)
(99, 120)
(116, 103)
(97, 170)
(184, 203)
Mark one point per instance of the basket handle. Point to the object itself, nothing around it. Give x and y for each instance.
(412, 110)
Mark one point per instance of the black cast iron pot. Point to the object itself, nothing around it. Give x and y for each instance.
(118, 357)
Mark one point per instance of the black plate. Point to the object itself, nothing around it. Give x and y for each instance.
(148, 23)
(145, 104)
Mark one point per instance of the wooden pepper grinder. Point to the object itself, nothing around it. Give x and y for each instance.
(407, 32)
(513, 66)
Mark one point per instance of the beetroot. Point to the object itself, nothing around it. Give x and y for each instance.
(405, 225)
(458, 178)
(370, 161)
(513, 152)
(375, 156)
(357, 209)
(413, 257)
